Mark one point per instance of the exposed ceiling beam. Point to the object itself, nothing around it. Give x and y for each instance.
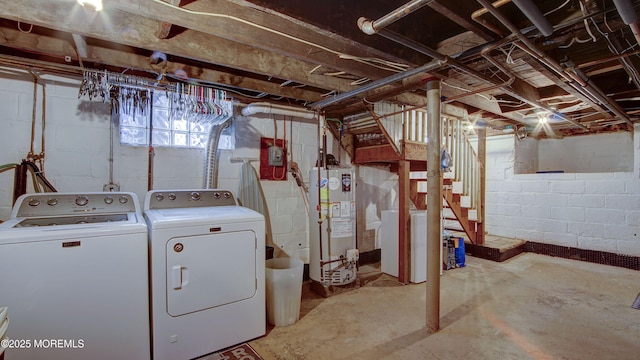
(137, 31)
(249, 26)
(164, 28)
(128, 59)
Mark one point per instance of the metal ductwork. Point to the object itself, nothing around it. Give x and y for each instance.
(269, 108)
(626, 10)
(212, 156)
(531, 11)
(629, 16)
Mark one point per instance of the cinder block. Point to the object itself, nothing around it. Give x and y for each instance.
(625, 202)
(624, 232)
(567, 213)
(563, 239)
(535, 211)
(504, 209)
(552, 199)
(558, 176)
(595, 176)
(568, 187)
(530, 235)
(522, 223)
(504, 186)
(523, 198)
(605, 216)
(536, 186)
(606, 187)
(586, 229)
(597, 244)
(632, 217)
(501, 231)
(631, 248)
(553, 226)
(586, 200)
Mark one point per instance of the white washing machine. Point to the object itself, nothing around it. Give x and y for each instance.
(207, 257)
(74, 276)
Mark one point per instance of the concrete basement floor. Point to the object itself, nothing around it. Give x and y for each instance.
(529, 307)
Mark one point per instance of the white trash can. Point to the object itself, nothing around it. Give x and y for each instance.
(284, 290)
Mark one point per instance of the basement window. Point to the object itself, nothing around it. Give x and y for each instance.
(173, 130)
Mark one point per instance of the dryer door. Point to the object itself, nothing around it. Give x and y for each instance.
(210, 270)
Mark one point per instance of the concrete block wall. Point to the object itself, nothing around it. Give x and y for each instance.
(597, 211)
(77, 153)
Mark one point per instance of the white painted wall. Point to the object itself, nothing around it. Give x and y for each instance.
(576, 154)
(77, 152)
(598, 211)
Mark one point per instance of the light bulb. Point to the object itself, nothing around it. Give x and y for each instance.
(95, 4)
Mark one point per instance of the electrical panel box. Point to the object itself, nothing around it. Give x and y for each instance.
(276, 156)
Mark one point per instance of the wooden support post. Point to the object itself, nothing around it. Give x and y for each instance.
(434, 206)
(404, 235)
(482, 160)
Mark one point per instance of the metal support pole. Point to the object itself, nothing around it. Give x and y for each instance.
(434, 206)
(482, 161)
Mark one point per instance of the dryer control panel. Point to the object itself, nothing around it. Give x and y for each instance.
(171, 199)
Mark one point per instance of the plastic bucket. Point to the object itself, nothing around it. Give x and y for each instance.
(284, 290)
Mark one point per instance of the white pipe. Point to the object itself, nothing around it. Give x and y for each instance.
(269, 108)
(371, 27)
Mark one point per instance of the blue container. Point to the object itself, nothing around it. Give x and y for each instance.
(460, 255)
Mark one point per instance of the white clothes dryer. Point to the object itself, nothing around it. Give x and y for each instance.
(75, 277)
(207, 257)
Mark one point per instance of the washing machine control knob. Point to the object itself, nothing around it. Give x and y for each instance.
(227, 195)
(34, 202)
(108, 200)
(195, 196)
(52, 202)
(123, 199)
(159, 197)
(216, 195)
(172, 196)
(82, 200)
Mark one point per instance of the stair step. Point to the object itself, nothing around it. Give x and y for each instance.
(456, 187)
(422, 187)
(473, 215)
(420, 175)
(449, 174)
(465, 201)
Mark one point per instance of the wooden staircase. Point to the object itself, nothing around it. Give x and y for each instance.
(393, 137)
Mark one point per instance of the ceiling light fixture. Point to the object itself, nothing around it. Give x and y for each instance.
(95, 4)
(543, 119)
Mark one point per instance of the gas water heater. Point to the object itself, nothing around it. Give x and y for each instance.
(332, 226)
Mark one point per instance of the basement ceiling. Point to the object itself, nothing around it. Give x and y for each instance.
(582, 75)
